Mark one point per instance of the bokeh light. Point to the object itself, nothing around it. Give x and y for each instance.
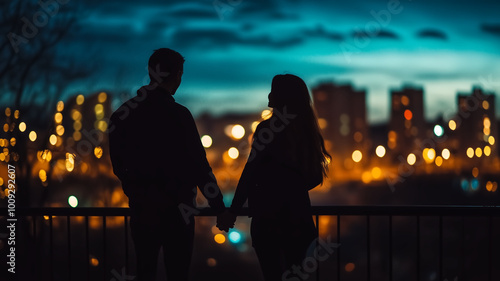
(470, 152)
(219, 238)
(60, 130)
(233, 153)
(206, 141)
(58, 117)
(380, 151)
(60, 106)
(53, 139)
(32, 136)
(479, 152)
(237, 131)
(357, 156)
(234, 236)
(22, 127)
(408, 114)
(80, 99)
(452, 125)
(491, 140)
(266, 114)
(349, 267)
(73, 201)
(446, 154)
(211, 262)
(438, 130)
(102, 97)
(487, 151)
(376, 172)
(42, 174)
(411, 159)
(439, 161)
(254, 125)
(98, 152)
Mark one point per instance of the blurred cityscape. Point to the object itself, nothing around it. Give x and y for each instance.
(409, 160)
(66, 161)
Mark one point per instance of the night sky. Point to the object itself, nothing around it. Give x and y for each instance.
(233, 48)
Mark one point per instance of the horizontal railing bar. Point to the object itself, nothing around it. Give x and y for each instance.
(421, 210)
(416, 210)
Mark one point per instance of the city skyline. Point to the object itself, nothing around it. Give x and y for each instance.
(445, 47)
(77, 139)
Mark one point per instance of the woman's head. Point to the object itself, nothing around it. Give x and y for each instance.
(290, 91)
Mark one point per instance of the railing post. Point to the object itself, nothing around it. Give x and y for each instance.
(463, 243)
(418, 248)
(368, 247)
(126, 243)
(338, 249)
(390, 248)
(35, 233)
(490, 252)
(87, 252)
(317, 245)
(104, 247)
(68, 229)
(51, 251)
(440, 248)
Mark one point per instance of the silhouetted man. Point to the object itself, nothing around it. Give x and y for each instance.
(158, 156)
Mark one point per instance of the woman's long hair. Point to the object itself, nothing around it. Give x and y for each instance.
(290, 95)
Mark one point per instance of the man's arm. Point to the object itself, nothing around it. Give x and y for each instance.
(204, 177)
(116, 148)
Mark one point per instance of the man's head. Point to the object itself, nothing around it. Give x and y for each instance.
(166, 68)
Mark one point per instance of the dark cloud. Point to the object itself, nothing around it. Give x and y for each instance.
(223, 37)
(383, 34)
(192, 11)
(387, 34)
(264, 10)
(436, 76)
(255, 7)
(247, 27)
(491, 28)
(110, 35)
(432, 34)
(116, 4)
(321, 32)
(280, 15)
(156, 26)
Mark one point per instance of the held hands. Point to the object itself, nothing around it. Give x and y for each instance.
(226, 220)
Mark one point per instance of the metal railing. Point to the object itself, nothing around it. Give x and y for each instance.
(369, 216)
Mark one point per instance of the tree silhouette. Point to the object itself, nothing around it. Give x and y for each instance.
(34, 72)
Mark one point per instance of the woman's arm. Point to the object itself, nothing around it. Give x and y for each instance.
(249, 174)
(241, 193)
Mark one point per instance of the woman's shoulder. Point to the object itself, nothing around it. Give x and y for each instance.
(273, 124)
(263, 124)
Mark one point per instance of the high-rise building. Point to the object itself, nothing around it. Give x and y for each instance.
(407, 124)
(476, 125)
(341, 113)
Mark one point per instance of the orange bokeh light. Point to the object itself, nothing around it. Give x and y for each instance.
(408, 114)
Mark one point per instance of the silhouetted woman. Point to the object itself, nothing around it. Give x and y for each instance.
(288, 158)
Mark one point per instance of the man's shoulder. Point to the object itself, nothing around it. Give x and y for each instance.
(119, 113)
(181, 109)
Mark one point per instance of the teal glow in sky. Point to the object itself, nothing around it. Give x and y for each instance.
(234, 48)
